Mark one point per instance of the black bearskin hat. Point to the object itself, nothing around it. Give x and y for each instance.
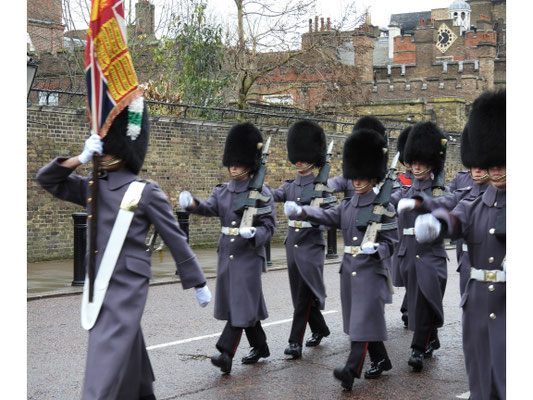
(306, 142)
(400, 144)
(364, 155)
(127, 141)
(242, 146)
(369, 122)
(466, 149)
(486, 129)
(426, 143)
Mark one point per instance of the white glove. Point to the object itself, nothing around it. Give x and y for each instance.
(247, 233)
(427, 228)
(405, 205)
(292, 209)
(185, 199)
(203, 295)
(92, 145)
(369, 248)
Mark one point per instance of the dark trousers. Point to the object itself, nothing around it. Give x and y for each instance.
(425, 330)
(356, 359)
(306, 310)
(403, 307)
(231, 336)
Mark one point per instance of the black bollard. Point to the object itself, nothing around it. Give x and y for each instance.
(183, 221)
(268, 256)
(332, 244)
(80, 247)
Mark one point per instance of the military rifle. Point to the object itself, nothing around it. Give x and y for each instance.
(369, 218)
(315, 195)
(437, 185)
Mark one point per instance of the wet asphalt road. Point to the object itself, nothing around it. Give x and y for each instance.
(56, 346)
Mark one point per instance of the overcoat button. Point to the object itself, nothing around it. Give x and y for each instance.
(492, 316)
(296, 245)
(231, 257)
(354, 273)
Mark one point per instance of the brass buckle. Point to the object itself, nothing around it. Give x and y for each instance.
(490, 276)
(234, 231)
(297, 224)
(355, 249)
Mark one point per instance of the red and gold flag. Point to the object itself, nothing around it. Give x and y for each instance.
(111, 80)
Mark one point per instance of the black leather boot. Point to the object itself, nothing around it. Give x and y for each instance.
(377, 368)
(222, 361)
(315, 339)
(294, 350)
(255, 354)
(405, 318)
(416, 361)
(345, 376)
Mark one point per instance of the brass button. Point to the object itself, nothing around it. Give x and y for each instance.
(354, 238)
(233, 223)
(491, 231)
(495, 203)
(491, 288)
(91, 183)
(296, 245)
(90, 217)
(89, 199)
(232, 240)
(492, 316)
(96, 252)
(491, 259)
(417, 256)
(231, 257)
(297, 199)
(297, 230)
(354, 255)
(354, 273)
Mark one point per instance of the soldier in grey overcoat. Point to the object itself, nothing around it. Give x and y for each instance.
(239, 296)
(480, 179)
(422, 267)
(481, 222)
(363, 272)
(304, 243)
(117, 365)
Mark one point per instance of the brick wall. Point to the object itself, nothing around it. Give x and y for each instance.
(183, 155)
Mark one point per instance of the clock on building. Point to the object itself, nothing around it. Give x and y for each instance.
(445, 38)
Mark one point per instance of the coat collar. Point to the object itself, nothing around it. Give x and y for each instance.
(304, 180)
(494, 197)
(118, 179)
(238, 186)
(478, 189)
(363, 200)
(421, 185)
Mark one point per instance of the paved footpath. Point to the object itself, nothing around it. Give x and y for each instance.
(180, 337)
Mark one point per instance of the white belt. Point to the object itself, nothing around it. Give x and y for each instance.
(130, 201)
(409, 231)
(352, 250)
(226, 230)
(299, 224)
(487, 275)
(465, 247)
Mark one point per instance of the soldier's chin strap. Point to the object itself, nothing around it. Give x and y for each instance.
(419, 174)
(305, 167)
(110, 162)
(482, 178)
(502, 178)
(363, 189)
(246, 171)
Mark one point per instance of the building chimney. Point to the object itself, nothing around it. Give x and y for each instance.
(310, 25)
(328, 26)
(321, 24)
(145, 18)
(316, 23)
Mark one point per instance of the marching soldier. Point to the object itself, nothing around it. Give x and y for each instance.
(239, 296)
(364, 290)
(118, 366)
(480, 179)
(481, 222)
(340, 183)
(304, 244)
(404, 180)
(422, 267)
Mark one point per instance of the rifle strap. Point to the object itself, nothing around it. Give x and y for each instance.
(130, 201)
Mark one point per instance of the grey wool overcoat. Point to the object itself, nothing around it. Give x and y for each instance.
(117, 365)
(483, 303)
(420, 265)
(239, 294)
(305, 247)
(364, 290)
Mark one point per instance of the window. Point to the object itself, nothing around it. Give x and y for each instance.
(48, 99)
(285, 99)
